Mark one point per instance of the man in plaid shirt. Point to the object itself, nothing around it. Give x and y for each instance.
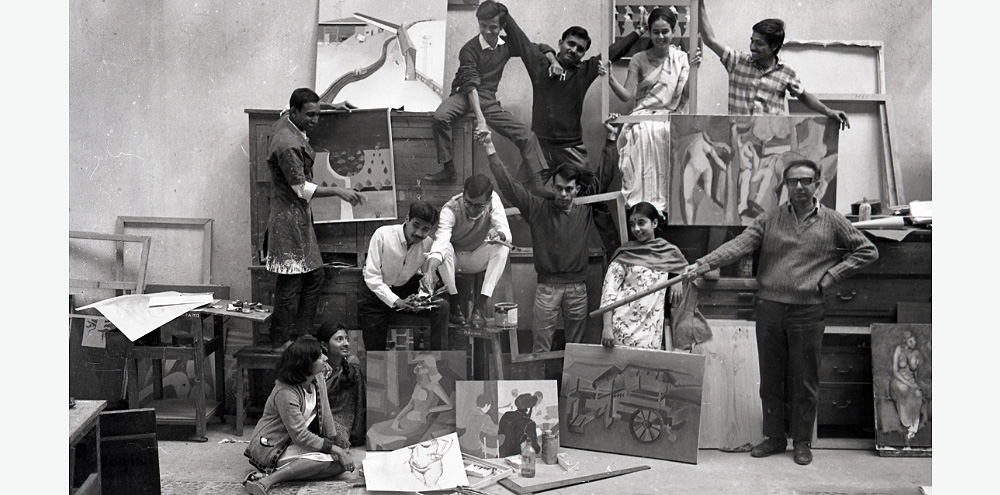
(758, 81)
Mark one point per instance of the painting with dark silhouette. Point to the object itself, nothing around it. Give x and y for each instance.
(639, 402)
(378, 54)
(411, 396)
(495, 417)
(727, 169)
(901, 380)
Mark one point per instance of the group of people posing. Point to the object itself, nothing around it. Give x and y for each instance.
(805, 247)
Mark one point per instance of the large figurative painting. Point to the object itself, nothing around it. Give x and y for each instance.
(901, 378)
(411, 396)
(632, 401)
(495, 417)
(727, 170)
(378, 54)
(354, 151)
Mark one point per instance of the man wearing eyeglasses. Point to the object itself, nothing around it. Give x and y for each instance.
(471, 233)
(805, 248)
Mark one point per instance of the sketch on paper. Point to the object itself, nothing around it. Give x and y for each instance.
(378, 54)
(629, 401)
(727, 170)
(411, 396)
(354, 151)
(495, 417)
(433, 464)
(901, 380)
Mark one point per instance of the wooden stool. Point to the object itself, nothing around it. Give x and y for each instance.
(250, 358)
(491, 335)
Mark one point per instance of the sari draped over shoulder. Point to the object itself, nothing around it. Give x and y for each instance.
(644, 147)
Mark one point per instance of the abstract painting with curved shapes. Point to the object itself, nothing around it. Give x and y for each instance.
(354, 151)
(901, 380)
(727, 169)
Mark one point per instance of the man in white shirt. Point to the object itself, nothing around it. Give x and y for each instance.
(470, 226)
(394, 270)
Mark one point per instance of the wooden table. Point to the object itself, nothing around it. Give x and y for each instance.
(85, 443)
(184, 412)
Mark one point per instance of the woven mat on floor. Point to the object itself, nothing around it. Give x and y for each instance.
(900, 491)
(235, 488)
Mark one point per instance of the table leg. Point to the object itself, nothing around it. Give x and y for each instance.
(219, 329)
(199, 383)
(240, 412)
(496, 373)
(132, 376)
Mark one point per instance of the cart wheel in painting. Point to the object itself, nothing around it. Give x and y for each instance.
(646, 425)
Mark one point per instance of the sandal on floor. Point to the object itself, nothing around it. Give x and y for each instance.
(252, 476)
(255, 488)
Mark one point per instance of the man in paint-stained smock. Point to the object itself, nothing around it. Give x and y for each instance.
(290, 247)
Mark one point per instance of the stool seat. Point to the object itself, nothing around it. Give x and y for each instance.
(250, 358)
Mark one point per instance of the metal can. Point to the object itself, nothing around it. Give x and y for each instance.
(505, 314)
(550, 447)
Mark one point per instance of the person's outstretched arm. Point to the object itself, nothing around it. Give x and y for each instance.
(817, 106)
(707, 33)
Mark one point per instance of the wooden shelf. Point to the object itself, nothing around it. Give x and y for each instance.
(181, 411)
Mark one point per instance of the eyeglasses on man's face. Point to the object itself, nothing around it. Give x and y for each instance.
(805, 181)
(473, 206)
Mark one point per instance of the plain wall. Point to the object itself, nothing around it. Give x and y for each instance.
(158, 89)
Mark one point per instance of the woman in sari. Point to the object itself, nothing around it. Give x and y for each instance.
(657, 79)
(345, 384)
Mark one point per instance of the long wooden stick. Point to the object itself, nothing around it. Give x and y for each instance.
(658, 286)
(544, 487)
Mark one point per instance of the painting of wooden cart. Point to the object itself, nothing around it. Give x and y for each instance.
(632, 401)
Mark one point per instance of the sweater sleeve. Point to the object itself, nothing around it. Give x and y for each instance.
(862, 251)
(467, 77)
(741, 245)
(289, 406)
(515, 193)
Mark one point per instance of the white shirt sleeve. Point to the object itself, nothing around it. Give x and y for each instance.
(305, 190)
(442, 238)
(498, 219)
(373, 270)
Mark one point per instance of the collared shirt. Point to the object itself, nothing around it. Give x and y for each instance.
(795, 254)
(756, 91)
(485, 45)
(455, 227)
(391, 263)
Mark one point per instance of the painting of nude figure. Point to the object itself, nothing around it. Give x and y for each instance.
(901, 379)
(727, 169)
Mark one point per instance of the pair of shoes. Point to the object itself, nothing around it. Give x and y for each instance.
(252, 476)
(477, 320)
(255, 488)
(803, 454)
(769, 446)
(443, 177)
(457, 318)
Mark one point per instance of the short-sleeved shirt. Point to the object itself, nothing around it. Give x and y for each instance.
(756, 91)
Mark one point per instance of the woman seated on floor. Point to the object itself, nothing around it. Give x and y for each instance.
(297, 437)
(345, 385)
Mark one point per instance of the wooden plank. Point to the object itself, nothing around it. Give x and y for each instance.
(730, 413)
(554, 485)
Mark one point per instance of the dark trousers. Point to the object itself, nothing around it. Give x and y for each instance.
(295, 300)
(496, 117)
(789, 338)
(374, 316)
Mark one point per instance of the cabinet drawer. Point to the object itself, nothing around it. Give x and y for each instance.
(875, 297)
(845, 404)
(845, 366)
(901, 258)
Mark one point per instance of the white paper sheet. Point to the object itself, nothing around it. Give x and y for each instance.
(133, 316)
(95, 332)
(434, 464)
(170, 298)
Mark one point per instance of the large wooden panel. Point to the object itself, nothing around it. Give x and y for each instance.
(730, 413)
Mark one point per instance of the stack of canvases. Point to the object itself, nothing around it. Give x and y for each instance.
(621, 400)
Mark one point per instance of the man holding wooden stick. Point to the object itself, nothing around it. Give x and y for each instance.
(805, 248)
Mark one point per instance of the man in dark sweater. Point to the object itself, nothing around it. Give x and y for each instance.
(481, 64)
(559, 230)
(805, 248)
(559, 85)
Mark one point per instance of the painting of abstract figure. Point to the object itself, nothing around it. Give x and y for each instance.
(495, 418)
(632, 401)
(901, 379)
(727, 170)
(411, 396)
(354, 151)
(377, 54)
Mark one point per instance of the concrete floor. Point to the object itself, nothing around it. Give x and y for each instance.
(833, 472)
